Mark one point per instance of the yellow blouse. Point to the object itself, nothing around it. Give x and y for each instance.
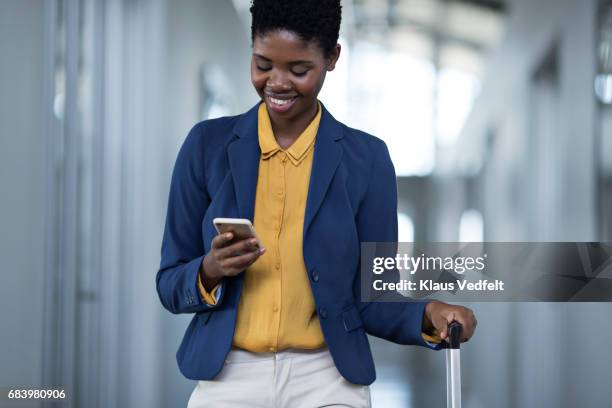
(276, 309)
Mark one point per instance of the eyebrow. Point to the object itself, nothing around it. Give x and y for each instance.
(291, 62)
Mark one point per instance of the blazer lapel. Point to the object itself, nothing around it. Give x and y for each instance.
(243, 155)
(327, 155)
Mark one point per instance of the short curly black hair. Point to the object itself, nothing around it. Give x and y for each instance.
(317, 20)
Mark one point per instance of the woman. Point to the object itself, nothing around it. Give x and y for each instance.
(284, 325)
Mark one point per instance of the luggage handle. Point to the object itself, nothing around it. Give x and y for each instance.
(454, 335)
(453, 366)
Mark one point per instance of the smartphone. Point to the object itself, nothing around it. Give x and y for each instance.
(240, 227)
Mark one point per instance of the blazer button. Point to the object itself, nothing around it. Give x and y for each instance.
(323, 312)
(315, 275)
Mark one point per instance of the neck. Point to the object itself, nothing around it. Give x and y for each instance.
(287, 130)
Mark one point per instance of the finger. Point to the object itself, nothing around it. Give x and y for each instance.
(260, 252)
(221, 240)
(243, 261)
(444, 321)
(471, 319)
(441, 326)
(240, 262)
(472, 329)
(245, 245)
(470, 323)
(466, 319)
(227, 268)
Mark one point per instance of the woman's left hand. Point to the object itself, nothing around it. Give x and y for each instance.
(438, 315)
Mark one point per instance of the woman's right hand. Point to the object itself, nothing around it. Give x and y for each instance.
(228, 259)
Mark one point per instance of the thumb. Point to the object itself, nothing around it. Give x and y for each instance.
(444, 322)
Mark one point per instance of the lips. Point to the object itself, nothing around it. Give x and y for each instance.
(280, 103)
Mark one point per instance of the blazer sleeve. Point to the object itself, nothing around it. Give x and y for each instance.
(399, 321)
(182, 248)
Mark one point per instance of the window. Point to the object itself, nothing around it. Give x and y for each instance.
(405, 228)
(471, 226)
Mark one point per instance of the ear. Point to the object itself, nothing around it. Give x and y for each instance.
(333, 58)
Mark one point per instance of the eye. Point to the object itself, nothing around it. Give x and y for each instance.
(265, 68)
(300, 72)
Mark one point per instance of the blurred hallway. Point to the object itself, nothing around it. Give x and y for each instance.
(497, 115)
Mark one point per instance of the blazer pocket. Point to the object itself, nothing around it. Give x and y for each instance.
(351, 318)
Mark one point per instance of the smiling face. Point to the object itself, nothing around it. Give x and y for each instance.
(288, 73)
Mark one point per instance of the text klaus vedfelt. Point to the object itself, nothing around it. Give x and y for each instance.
(412, 264)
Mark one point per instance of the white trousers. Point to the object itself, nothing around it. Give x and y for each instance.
(286, 379)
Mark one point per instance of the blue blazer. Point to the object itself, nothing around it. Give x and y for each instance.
(352, 198)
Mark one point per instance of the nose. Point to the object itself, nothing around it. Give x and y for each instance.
(278, 81)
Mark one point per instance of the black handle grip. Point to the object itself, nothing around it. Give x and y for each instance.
(454, 335)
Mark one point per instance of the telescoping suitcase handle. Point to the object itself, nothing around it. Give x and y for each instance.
(453, 366)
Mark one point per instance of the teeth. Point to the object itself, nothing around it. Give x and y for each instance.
(280, 102)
